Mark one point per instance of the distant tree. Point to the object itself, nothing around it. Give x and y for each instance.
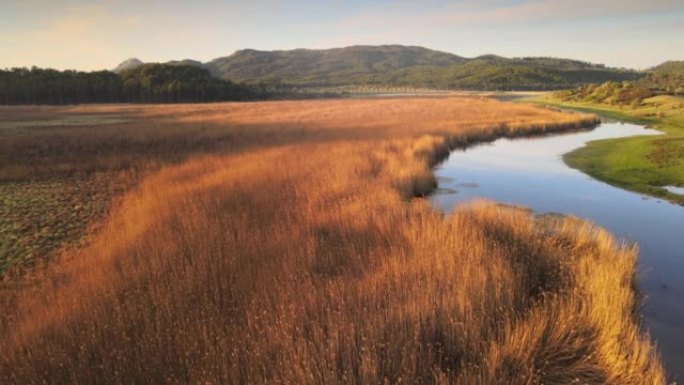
(149, 83)
(48, 86)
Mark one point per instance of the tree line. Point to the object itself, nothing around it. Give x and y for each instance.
(148, 83)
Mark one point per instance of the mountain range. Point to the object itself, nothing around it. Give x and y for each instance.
(402, 66)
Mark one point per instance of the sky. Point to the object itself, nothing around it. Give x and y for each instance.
(99, 34)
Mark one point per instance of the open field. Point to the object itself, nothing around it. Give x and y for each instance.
(61, 167)
(642, 164)
(278, 242)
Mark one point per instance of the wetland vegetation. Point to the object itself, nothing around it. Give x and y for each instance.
(281, 242)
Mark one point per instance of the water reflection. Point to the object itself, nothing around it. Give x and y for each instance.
(531, 173)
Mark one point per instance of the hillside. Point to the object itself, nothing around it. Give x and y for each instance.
(496, 73)
(664, 79)
(407, 66)
(338, 66)
(670, 68)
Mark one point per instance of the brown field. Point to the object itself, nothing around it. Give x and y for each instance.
(280, 243)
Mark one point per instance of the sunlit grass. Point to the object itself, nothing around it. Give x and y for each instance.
(297, 255)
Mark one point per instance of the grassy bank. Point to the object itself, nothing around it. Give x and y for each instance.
(294, 253)
(641, 164)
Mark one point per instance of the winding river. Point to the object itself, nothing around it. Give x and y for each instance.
(530, 172)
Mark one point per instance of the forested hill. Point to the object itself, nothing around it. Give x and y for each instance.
(409, 66)
(337, 66)
(147, 83)
(405, 66)
(178, 83)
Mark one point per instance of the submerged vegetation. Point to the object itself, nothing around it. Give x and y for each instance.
(278, 243)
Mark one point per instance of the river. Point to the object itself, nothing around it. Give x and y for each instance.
(530, 172)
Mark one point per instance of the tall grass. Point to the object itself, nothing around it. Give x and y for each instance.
(304, 260)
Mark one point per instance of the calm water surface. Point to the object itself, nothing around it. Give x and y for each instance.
(531, 173)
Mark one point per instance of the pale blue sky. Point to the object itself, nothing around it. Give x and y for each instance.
(98, 34)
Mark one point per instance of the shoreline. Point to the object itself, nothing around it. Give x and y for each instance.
(635, 164)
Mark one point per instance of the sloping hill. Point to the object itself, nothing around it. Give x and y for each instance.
(670, 68)
(338, 66)
(496, 73)
(665, 78)
(396, 65)
(411, 66)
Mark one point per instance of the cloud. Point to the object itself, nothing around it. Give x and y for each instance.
(98, 34)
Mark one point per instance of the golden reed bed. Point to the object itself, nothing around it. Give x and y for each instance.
(281, 245)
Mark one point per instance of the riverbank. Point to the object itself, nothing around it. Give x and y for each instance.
(645, 164)
(531, 173)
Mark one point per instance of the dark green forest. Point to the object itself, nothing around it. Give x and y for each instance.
(165, 83)
(147, 83)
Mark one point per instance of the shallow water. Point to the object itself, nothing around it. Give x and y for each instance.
(530, 172)
(675, 190)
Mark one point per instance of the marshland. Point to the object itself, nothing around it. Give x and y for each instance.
(341, 192)
(287, 242)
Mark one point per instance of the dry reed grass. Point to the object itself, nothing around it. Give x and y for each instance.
(298, 257)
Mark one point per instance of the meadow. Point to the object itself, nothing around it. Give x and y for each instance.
(287, 243)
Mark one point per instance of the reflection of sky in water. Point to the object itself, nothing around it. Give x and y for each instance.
(533, 154)
(675, 190)
(531, 172)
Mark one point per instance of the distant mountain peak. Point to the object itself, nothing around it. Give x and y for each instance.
(128, 64)
(490, 56)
